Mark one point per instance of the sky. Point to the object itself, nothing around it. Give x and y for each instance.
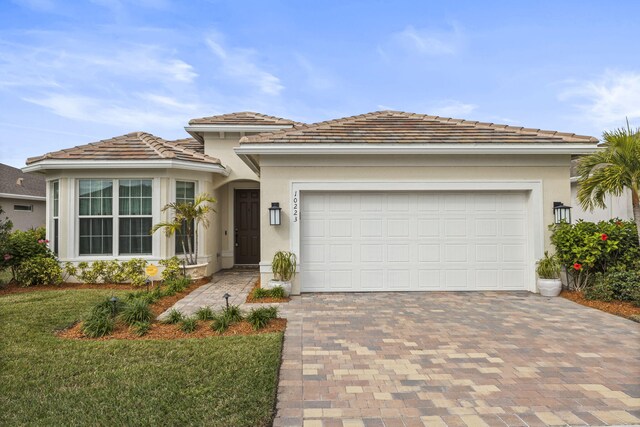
(74, 72)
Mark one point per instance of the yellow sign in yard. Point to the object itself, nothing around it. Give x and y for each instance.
(151, 270)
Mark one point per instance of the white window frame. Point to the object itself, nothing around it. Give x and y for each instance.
(115, 217)
(55, 217)
(120, 216)
(174, 196)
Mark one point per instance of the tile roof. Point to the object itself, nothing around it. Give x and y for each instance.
(382, 127)
(133, 146)
(242, 118)
(14, 181)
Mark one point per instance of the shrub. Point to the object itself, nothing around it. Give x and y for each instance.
(172, 269)
(173, 317)
(587, 248)
(98, 324)
(189, 325)
(20, 246)
(618, 285)
(178, 285)
(39, 270)
(86, 273)
(136, 311)
(284, 265)
(260, 317)
(277, 292)
(133, 270)
(112, 308)
(226, 318)
(204, 313)
(259, 293)
(141, 328)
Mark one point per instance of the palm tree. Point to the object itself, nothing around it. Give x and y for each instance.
(185, 223)
(612, 169)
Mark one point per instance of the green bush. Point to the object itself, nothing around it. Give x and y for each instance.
(277, 292)
(86, 273)
(204, 313)
(587, 248)
(98, 325)
(141, 328)
(615, 285)
(260, 317)
(178, 285)
(189, 325)
(112, 271)
(172, 269)
(133, 270)
(108, 306)
(39, 270)
(136, 311)
(20, 246)
(173, 317)
(226, 318)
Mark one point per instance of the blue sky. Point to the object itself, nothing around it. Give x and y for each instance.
(73, 72)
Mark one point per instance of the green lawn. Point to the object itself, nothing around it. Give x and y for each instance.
(44, 380)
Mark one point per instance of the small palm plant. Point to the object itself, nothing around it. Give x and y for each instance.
(284, 265)
(549, 267)
(612, 169)
(186, 220)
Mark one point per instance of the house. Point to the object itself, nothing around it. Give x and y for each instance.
(22, 197)
(381, 201)
(616, 206)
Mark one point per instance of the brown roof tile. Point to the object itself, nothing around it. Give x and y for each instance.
(14, 181)
(399, 127)
(242, 118)
(133, 146)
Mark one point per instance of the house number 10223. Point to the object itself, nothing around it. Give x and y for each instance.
(295, 206)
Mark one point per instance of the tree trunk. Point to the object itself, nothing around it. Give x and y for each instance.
(190, 254)
(635, 202)
(195, 239)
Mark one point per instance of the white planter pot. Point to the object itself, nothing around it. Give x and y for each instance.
(196, 271)
(549, 287)
(273, 283)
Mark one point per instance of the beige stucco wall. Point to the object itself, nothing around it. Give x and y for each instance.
(24, 220)
(278, 173)
(210, 243)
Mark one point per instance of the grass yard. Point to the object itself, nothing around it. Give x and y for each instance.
(44, 380)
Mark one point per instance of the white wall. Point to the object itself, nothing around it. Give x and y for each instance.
(617, 207)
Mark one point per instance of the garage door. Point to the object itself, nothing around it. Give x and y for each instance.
(414, 241)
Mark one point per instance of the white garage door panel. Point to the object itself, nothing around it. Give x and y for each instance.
(412, 241)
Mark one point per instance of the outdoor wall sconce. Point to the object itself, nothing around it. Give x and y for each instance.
(561, 213)
(274, 213)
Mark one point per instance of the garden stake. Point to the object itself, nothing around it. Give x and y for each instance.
(226, 296)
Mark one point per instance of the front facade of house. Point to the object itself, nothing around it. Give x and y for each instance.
(378, 202)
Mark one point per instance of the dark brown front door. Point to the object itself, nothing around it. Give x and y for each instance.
(247, 226)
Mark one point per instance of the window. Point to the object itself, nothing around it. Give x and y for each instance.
(185, 193)
(116, 216)
(55, 189)
(27, 208)
(135, 216)
(95, 203)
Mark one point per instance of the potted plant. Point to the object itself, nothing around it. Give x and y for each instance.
(548, 269)
(185, 223)
(284, 268)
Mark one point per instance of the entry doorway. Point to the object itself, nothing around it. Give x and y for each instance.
(246, 227)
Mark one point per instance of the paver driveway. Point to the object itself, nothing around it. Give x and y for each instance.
(456, 359)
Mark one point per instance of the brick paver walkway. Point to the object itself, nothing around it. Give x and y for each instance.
(238, 283)
(456, 359)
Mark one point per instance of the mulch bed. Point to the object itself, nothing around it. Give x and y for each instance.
(252, 300)
(161, 331)
(619, 308)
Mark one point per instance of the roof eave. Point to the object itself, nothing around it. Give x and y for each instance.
(22, 197)
(62, 164)
(414, 148)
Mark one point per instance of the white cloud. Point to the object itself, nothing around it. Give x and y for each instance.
(607, 100)
(315, 77)
(240, 65)
(452, 108)
(113, 112)
(424, 41)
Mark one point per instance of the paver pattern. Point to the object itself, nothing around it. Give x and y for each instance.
(238, 283)
(456, 359)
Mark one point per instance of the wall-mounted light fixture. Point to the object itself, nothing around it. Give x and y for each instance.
(274, 213)
(561, 213)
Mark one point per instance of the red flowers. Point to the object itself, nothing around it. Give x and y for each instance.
(577, 266)
(43, 241)
(7, 257)
(604, 236)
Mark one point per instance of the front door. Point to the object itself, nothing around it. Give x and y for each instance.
(247, 226)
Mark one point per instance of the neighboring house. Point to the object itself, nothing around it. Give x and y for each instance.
(381, 201)
(616, 206)
(22, 197)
